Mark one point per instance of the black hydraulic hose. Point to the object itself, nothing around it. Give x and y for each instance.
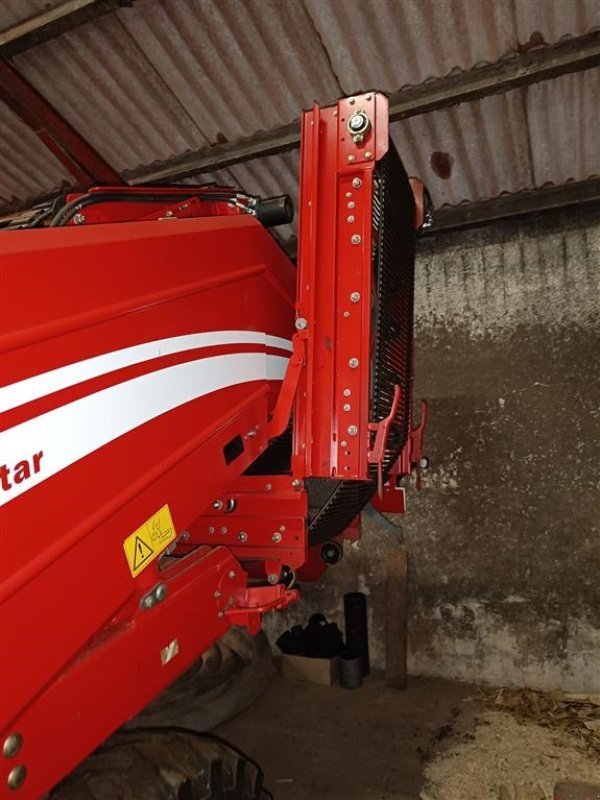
(75, 206)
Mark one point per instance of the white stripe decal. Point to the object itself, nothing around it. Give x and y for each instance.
(73, 431)
(16, 394)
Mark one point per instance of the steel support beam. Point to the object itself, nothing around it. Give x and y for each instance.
(83, 162)
(53, 22)
(571, 55)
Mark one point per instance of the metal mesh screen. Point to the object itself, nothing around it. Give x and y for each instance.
(334, 504)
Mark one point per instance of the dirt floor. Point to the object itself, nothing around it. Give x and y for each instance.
(436, 741)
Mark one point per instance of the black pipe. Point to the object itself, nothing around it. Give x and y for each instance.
(357, 633)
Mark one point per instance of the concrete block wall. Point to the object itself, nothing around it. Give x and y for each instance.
(504, 540)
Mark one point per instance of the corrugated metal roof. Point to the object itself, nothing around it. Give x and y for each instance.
(155, 80)
(28, 168)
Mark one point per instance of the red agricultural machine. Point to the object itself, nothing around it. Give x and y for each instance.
(187, 418)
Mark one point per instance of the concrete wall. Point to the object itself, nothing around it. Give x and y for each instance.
(504, 541)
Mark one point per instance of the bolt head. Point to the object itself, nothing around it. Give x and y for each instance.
(346, 406)
(12, 745)
(16, 777)
(348, 194)
(231, 574)
(217, 594)
(301, 324)
(223, 529)
(352, 430)
(350, 218)
(353, 363)
(272, 579)
(352, 101)
(424, 462)
(344, 444)
(148, 601)
(211, 529)
(268, 487)
(296, 483)
(160, 593)
(357, 183)
(351, 158)
(351, 204)
(218, 505)
(356, 239)
(368, 154)
(242, 536)
(276, 538)
(347, 392)
(355, 297)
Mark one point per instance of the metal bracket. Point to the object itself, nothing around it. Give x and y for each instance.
(283, 407)
(382, 430)
(254, 601)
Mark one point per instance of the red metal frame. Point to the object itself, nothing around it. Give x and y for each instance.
(194, 287)
(84, 163)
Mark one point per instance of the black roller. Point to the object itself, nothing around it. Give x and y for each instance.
(275, 210)
(357, 633)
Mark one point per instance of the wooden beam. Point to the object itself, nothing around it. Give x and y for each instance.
(53, 22)
(570, 55)
(484, 212)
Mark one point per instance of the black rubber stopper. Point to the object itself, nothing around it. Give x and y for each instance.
(357, 634)
(276, 210)
(351, 675)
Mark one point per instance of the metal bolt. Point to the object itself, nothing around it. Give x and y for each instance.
(355, 297)
(296, 483)
(352, 430)
(12, 745)
(16, 777)
(223, 529)
(211, 529)
(352, 101)
(218, 505)
(368, 154)
(79, 219)
(272, 578)
(347, 392)
(353, 363)
(242, 536)
(301, 324)
(221, 614)
(346, 406)
(160, 593)
(351, 158)
(276, 538)
(217, 594)
(148, 601)
(346, 314)
(423, 462)
(348, 194)
(268, 487)
(350, 218)
(367, 97)
(351, 204)
(344, 444)
(282, 528)
(357, 183)
(185, 535)
(356, 239)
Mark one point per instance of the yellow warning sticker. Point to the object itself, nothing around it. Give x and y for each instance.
(150, 539)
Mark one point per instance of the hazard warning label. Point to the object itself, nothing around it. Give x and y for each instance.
(149, 540)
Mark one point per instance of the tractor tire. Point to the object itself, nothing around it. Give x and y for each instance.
(163, 764)
(224, 681)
